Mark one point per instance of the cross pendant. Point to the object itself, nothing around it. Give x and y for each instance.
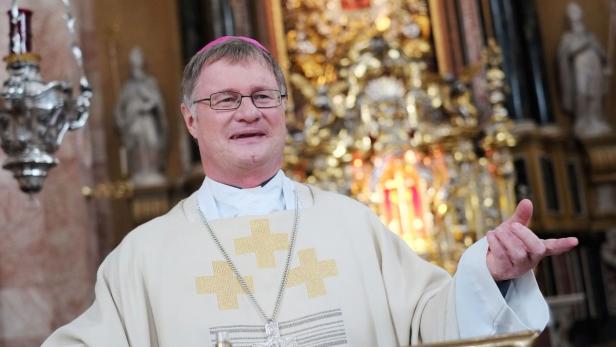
(274, 339)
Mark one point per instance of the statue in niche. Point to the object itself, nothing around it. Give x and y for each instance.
(584, 74)
(140, 118)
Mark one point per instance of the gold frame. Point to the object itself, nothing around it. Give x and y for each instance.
(523, 339)
(442, 48)
(275, 32)
(277, 42)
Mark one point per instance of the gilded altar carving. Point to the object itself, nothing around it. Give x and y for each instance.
(373, 119)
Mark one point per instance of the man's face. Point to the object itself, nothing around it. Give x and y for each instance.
(244, 140)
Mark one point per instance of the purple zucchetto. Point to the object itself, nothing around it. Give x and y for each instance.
(228, 38)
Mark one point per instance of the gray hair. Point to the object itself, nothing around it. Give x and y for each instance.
(234, 51)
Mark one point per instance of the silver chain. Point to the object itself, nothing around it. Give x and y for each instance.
(242, 281)
(75, 49)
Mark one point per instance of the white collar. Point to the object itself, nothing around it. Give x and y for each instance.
(217, 200)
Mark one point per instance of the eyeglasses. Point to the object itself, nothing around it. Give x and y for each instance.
(268, 98)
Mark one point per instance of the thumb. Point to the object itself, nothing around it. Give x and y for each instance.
(523, 213)
(559, 246)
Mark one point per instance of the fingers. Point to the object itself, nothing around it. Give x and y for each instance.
(496, 248)
(515, 249)
(523, 213)
(559, 246)
(513, 246)
(533, 244)
(497, 260)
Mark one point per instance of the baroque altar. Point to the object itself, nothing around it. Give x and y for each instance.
(372, 118)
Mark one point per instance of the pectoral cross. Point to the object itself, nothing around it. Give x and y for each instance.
(274, 339)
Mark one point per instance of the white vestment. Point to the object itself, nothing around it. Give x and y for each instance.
(351, 281)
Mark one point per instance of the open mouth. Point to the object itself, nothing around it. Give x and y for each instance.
(247, 135)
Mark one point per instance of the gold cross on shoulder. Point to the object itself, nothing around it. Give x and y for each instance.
(224, 284)
(312, 272)
(262, 242)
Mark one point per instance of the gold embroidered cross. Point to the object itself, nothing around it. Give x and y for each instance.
(312, 272)
(223, 284)
(262, 242)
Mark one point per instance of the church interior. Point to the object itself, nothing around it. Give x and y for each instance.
(440, 115)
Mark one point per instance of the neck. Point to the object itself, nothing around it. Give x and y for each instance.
(578, 27)
(243, 180)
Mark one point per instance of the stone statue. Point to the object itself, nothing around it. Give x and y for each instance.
(140, 118)
(584, 73)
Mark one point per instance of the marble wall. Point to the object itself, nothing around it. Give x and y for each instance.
(52, 242)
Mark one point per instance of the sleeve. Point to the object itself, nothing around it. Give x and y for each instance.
(118, 316)
(481, 308)
(437, 307)
(420, 295)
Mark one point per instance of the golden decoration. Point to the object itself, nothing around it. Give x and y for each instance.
(521, 339)
(109, 190)
(262, 243)
(312, 272)
(372, 120)
(224, 284)
(22, 57)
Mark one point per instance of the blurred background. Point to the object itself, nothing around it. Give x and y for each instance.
(439, 114)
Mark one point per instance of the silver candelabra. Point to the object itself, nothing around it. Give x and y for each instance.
(34, 114)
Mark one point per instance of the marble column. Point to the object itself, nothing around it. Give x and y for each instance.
(49, 247)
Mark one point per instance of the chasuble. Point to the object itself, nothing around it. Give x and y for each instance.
(351, 282)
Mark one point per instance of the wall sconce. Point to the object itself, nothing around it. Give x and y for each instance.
(34, 114)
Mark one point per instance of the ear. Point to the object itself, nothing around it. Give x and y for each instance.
(190, 120)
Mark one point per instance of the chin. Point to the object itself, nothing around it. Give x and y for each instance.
(257, 155)
(250, 159)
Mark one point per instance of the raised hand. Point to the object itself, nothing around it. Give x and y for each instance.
(513, 249)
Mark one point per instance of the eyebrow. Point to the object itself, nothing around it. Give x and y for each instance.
(251, 89)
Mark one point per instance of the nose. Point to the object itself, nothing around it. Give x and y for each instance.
(247, 112)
